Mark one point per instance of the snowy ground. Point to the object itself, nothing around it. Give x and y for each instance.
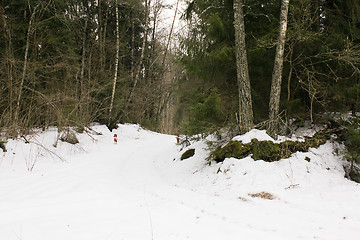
(139, 189)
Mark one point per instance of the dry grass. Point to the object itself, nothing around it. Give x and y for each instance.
(263, 195)
(243, 199)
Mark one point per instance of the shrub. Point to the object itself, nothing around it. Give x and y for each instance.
(351, 137)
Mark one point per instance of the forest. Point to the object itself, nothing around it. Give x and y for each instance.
(236, 64)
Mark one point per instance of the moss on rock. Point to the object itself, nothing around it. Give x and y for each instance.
(189, 153)
(265, 150)
(268, 150)
(233, 149)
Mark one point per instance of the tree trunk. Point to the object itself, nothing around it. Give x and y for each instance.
(100, 32)
(9, 65)
(116, 62)
(245, 120)
(80, 82)
(277, 72)
(104, 40)
(23, 75)
(132, 52)
(165, 109)
(171, 31)
(290, 71)
(138, 70)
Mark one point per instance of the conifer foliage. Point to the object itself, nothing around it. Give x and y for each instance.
(312, 46)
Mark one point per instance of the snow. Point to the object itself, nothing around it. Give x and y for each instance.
(139, 189)
(260, 135)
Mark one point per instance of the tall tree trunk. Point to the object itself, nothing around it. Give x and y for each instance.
(138, 70)
(23, 75)
(116, 63)
(171, 31)
(104, 39)
(277, 72)
(9, 65)
(290, 71)
(100, 32)
(132, 52)
(164, 111)
(80, 82)
(245, 120)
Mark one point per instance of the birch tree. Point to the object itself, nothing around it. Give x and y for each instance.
(245, 117)
(116, 62)
(277, 71)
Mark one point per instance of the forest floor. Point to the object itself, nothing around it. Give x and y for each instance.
(139, 189)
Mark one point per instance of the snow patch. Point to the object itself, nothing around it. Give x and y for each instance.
(260, 135)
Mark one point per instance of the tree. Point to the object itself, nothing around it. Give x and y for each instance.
(243, 79)
(138, 69)
(274, 103)
(207, 53)
(30, 31)
(116, 64)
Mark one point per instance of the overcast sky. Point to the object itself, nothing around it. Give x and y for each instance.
(167, 16)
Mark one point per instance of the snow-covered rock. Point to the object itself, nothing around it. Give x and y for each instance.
(260, 135)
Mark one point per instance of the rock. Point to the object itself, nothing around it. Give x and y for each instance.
(189, 153)
(69, 137)
(352, 171)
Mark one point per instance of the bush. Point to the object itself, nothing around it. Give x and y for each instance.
(351, 138)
